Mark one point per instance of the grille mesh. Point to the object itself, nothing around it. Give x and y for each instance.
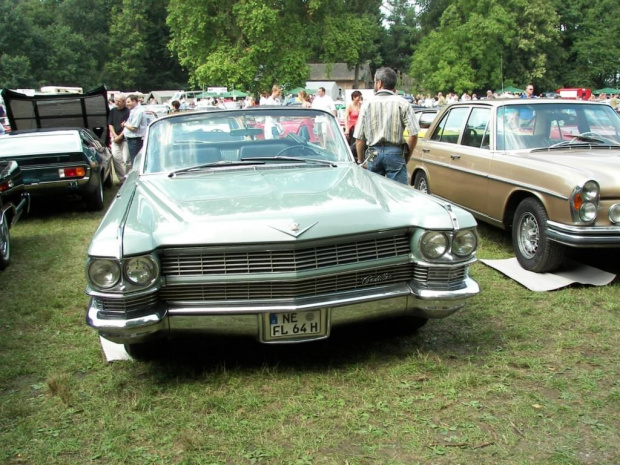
(177, 262)
(287, 289)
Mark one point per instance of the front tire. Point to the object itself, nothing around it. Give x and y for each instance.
(420, 182)
(534, 251)
(5, 245)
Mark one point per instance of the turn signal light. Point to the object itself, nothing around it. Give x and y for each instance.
(75, 172)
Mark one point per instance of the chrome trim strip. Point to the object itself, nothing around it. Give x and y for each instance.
(584, 236)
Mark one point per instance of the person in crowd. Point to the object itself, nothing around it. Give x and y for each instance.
(381, 127)
(275, 97)
(135, 126)
(118, 144)
(351, 114)
(441, 100)
(304, 98)
(176, 106)
(322, 101)
(529, 92)
(490, 95)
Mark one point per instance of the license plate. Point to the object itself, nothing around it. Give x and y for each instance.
(296, 324)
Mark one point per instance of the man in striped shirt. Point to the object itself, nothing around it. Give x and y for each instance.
(379, 133)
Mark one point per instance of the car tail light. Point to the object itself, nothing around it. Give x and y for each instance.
(5, 186)
(73, 172)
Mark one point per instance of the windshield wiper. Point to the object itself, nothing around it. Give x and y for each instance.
(216, 164)
(296, 159)
(584, 138)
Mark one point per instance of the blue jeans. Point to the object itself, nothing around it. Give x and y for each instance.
(134, 144)
(389, 162)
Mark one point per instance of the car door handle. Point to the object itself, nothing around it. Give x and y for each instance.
(455, 157)
(426, 150)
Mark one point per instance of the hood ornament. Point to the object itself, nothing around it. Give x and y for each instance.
(294, 229)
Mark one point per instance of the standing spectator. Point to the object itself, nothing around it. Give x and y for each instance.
(529, 92)
(490, 95)
(176, 106)
(351, 115)
(120, 150)
(323, 101)
(381, 127)
(135, 126)
(274, 98)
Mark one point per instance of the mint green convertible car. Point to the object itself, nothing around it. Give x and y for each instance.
(259, 222)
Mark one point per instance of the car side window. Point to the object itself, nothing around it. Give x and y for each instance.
(476, 133)
(449, 128)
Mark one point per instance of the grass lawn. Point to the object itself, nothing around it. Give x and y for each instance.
(516, 378)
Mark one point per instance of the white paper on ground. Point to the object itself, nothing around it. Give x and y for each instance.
(113, 351)
(573, 272)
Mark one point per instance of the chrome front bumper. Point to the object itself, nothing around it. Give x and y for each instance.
(584, 236)
(244, 319)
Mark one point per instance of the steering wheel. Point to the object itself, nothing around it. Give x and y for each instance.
(304, 151)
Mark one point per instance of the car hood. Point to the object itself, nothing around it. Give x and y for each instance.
(602, 165)
(262, 206)
(47, 111)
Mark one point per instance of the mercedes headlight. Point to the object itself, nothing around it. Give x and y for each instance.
(104, 273)
(587, 212)
(464, 243)
(433, 244)
(590, 191)
(141, 270)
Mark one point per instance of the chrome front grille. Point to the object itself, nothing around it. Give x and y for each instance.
(244, 291)
(127, 307)
(441, 278)
(189, 262)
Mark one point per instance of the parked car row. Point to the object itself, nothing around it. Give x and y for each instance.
(57, 147)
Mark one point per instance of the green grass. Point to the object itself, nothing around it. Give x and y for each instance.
(516, 378)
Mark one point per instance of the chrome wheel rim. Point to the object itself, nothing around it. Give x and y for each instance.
(529, 236)
(423, 186)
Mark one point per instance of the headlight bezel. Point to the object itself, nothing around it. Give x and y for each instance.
(97, 266)
(469, 234)
(425, 244)
(144, 260)
(123, 280)
(614, 213)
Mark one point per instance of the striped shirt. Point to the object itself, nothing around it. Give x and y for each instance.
(384, 118)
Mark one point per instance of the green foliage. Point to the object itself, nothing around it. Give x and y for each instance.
(474, 38)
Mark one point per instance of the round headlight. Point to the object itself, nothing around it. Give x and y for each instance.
(587, 212)
(141, 270)
(434, 244)
(464, 243)
(590, 191)
(104, 273)
(614, 213)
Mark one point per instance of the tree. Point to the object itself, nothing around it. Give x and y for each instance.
(482, 44)
(401, 36)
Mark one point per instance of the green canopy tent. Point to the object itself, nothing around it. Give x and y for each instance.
(207, 94)
(297, 90)
(234, 94)
(606, 90)
(512, 90)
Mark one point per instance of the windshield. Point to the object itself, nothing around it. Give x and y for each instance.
(260, 135)
(555, 124)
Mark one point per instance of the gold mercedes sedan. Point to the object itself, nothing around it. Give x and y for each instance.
(548, 170)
